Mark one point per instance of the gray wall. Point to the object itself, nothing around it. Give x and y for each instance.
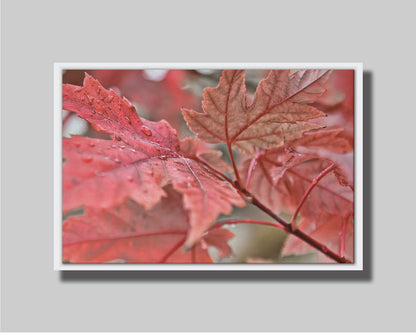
(37, 33)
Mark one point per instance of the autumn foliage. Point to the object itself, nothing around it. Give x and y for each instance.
(140, 194)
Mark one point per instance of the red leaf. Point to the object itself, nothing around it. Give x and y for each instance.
(331, 140)
(143, 158)
(198, 150)
(110, 113)
(278, 114)
(282, 185)
(340, 109)
(134, 235)
(337, 233)
(159, 99)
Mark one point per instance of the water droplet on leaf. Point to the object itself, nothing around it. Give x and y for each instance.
(87, 159)
(146, 131)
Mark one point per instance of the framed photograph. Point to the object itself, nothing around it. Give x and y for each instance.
(218, 166)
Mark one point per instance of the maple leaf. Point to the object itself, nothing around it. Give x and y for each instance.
(340, 110)
(144, 157)
(281, 185)
(157, 99)
(281, 181)
(278, 113)
(198, 150)
(330, 140)
(132, 234)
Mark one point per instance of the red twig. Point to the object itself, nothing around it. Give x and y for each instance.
(231, 222)
(306, 238)
(215, 170)
(237, 176)
(282, 224)
(172, 250)
(308, 191)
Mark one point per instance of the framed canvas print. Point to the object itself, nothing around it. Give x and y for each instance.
(208, 166)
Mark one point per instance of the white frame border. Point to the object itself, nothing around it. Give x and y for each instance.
(358, 170)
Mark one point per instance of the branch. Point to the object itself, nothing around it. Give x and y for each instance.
(283, 225)
(231, 222)
(237, 176)
(286, 226)
(306, 238)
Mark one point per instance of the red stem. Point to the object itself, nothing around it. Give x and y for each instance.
(215, 170)
(172, 250)
(282, 223)
(237, 176)
(220, 224)
(301, 235)
(308, 191)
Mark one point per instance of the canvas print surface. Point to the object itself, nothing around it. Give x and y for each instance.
(208, 166)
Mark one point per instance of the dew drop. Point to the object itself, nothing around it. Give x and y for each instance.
(130, 179)
(91, 144)
(87, 159)
(146, 131)
(163, 157)
(122, 147)
(117, 160)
